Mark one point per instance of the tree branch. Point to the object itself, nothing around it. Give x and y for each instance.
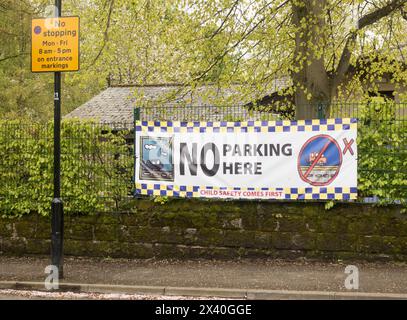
(15, 56)
(363, 22)
(246, 33)
(376, 15)
(404, 13)
(105, 34)
(225, 20)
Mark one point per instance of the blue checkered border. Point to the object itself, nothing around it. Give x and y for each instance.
(303, 193)
(246, 126)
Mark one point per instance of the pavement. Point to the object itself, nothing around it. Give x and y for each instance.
(11, 294)
(241, 279)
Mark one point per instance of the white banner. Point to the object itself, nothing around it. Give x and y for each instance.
(305, 159)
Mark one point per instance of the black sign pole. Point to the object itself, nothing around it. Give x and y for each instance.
(57, 216)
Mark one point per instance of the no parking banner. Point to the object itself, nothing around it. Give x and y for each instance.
(304, 159)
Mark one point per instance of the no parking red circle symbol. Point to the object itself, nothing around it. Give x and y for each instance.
(320, 160)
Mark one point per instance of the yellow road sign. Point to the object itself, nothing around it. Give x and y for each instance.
(55, 44)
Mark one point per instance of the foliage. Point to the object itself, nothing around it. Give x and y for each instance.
(327, 48)
(19, 89)
(193, 42)
(29, 95)
(96, 165)
(161, 200)
(329, 204)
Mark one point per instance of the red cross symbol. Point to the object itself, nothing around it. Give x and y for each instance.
(348, 145)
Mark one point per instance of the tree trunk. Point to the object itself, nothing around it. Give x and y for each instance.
(310, 79)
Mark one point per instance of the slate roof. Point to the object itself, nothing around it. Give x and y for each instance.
(168, 102)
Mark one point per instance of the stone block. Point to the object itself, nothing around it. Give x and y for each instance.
(135, 250)
(79, 231)
(105, 232)
(336, 242)
(38, 246)
(282, 223)
(262, 240)
(380, 244)
(293, 241)
(239, 239)
(209, 237)
(14, 247)
(78, 248)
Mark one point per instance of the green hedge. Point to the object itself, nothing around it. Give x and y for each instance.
(382, 150)
(96, 165)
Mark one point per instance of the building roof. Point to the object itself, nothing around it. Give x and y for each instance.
(163, 102)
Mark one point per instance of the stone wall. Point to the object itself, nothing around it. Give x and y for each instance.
(221, 229)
